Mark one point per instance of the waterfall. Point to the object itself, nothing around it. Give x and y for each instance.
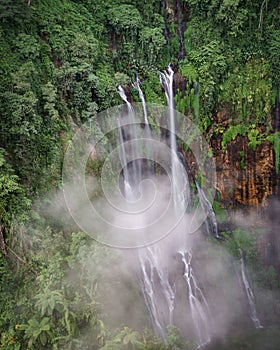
(157, 263)
(249, 293)
(135, 177)
(180, 183)
(211, 221)
(199, 307)
(181, 194)
(122, 154)
(155, 277)
(136, 85)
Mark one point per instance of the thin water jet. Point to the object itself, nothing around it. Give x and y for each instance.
(249, 293)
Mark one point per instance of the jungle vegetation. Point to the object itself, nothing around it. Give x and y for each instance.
(60, 64)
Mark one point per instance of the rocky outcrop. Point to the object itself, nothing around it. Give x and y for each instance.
(244, 176)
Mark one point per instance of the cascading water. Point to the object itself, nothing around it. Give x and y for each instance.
(249, 293)
(159, 292)
(154, 274)
(180, 183)
(182, 275)
(134, 178)
(200, 311)
(210, 221)
(136, 85)
(155, 280)
(122, 154)
(181, 194)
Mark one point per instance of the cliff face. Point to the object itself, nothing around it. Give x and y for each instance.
(244, 176)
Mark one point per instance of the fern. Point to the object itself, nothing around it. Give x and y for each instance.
(254, 139)
(231, 134)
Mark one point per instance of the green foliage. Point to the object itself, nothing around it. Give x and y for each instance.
(152, 89)
(152, 41)
(188, 101)
(220, 213)
(125, 19)
(236, 63)
(274, 54)
(270, 278)
(61, 63)
(9, 341)
(27, 46)
(7, 284)
(209, 59)
(275, 140)
(14, 12)
(37, 331)
(231, 133)
(13, 202)
(245, 239)
(248, 92)
(205, 64)
(254, 140)
(175, 341)
(254, 137)
(58, 307)
(105, 88)
(125, 339)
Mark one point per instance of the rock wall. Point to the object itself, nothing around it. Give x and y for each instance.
(244, 176)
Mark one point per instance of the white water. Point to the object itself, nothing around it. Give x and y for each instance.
(180, 183)
(210, 221)
(155, 277)
(199, 307)
(159, 293)
(136, 85)
(147, 130)
(135, 178)
(181, 195)
(170, 284)
(249, 294)
(122, 154)
(154, 273)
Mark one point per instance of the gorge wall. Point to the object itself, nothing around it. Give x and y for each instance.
(244, 176)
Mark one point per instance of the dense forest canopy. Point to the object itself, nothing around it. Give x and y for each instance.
(61, 62)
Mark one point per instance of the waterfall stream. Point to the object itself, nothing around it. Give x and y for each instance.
(180, 183)
(134, 176)
(154, 273)
(136, 85)
(159, 293)
(249, 293)
(181, 194)
(200, 310)
(210, 221)
(167, 272)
